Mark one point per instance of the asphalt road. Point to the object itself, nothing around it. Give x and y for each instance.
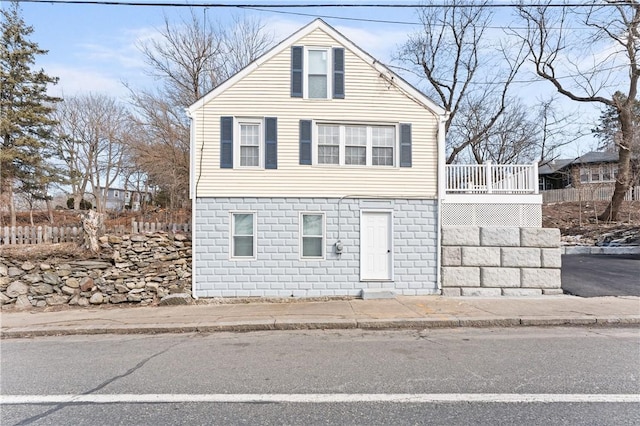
(601, 275)
(455, 376)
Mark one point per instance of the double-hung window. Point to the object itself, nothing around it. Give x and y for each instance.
(383, 142)
(357, 145)
(318, 75)
(243, 235)
(249, 143)
(317, 72)
(328, 144)
(312, 235)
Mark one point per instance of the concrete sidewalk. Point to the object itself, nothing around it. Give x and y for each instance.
(402, 312)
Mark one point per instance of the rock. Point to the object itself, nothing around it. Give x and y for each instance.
(134, 297)
(123, 265)
(41, 289)
(179, 237)
(103, 239)
(57, 299)
(41, 303)
(27, 266)
(73, 282)
(96, 298)
(17, 288)
(74, 299)
(4, 299)
(138, 238)
(4, 282)
(170, 256)
(68, 290)
(121, 288)
(83, 301)
(92, 264)
(86, 284)
(45, 267)
(23, 302)
(4, 271)
(14, 272)
(50, 278)
(32, 278)
(64, 272)
(152, 287)
(176, 299)
(114, 239)
(118, 298)
(136, 291)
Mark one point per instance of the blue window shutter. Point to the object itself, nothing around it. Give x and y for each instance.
(405, 145)
(226, 142)
(271, 143)
(338, 73)
(305, 142)
(296, 71)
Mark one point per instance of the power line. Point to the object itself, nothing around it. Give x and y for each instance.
(323, 5)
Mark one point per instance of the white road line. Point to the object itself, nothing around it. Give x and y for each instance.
(318, 398)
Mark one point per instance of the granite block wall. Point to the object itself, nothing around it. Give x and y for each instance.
(509, 261)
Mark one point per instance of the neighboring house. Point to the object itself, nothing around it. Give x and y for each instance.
(592, 168)
(119, 199)
(317, 171)
(296, 156)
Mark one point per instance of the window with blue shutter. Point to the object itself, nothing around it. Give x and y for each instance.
(338, 73)
(271, 143)
(296, 71)
(405, 145)
(226, 142)
(305, 142)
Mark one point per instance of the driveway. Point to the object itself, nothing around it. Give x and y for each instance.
(592, 275)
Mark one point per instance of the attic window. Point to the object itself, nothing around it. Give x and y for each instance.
(318, 73)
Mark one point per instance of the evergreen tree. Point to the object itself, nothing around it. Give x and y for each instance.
(609, 130)
(25, 108)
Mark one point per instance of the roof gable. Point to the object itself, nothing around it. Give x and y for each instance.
(393, 78)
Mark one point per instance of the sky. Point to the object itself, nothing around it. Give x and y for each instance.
(93, 48)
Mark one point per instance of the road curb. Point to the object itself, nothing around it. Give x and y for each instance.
(322, 324)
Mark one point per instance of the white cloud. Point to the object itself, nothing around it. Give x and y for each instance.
(74, 81)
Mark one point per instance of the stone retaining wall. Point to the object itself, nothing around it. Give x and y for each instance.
(494, 261)
(138, 268)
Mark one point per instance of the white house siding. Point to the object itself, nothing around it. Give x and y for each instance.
(369, 98)
(278, 271)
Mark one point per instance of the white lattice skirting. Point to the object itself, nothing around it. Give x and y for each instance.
(489, 214)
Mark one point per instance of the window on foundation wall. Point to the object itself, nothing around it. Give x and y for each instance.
(312, 235)
(243, 235)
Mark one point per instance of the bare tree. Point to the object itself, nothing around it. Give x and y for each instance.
(464, 68)
(591, 67)
(556, 128)
(189, 58)
(94, 133)
(513, 138)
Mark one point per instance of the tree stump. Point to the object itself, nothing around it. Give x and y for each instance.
(93, 226)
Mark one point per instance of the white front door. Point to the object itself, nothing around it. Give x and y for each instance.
(376, 250)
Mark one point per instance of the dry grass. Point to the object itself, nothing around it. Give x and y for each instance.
(45, 251)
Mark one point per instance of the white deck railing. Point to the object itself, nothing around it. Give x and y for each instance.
(492, 178)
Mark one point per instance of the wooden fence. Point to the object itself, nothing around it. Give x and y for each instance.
(39, 235)
(601, 193)
(151, 227)
(54, 234)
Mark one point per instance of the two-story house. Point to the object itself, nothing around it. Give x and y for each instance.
(315, 172)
